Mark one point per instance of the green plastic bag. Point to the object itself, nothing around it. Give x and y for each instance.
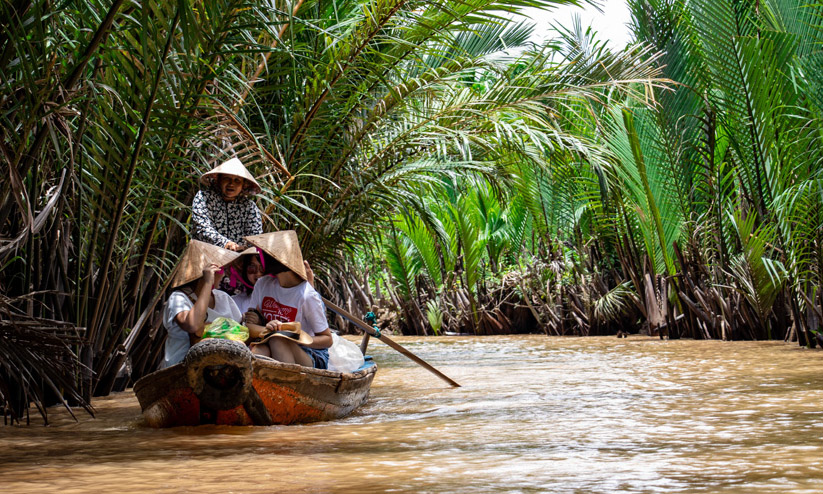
(226, 329)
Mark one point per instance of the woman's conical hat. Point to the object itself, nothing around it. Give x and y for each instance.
(232, 167)
(282, 246)
(196, 257)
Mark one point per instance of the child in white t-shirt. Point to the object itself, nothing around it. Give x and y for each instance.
(285, 297)
(196, 303)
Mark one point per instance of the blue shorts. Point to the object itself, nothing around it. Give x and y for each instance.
(318, 356)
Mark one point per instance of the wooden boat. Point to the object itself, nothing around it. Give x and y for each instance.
(221, 382)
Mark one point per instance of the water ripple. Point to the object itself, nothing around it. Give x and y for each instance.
(534, 414)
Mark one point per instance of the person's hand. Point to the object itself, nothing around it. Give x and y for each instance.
(233, 246)
(251, 317)
(309, 273)
(272, 326)
(209, 273)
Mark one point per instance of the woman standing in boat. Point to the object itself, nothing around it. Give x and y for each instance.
(287, 297)
(224, 212)
(195, 302)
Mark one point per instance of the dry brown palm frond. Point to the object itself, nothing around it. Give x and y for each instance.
(36, 358)
(233, 138)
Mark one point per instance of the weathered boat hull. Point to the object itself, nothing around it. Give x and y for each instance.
(279, 393)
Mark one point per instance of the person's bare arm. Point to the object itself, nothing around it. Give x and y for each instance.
(309, 273)
(254, 322)
(194, 320)
(256, 330)
(322, 339)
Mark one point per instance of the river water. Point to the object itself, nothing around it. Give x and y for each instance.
(535, 414)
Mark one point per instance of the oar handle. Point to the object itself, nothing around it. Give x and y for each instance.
(385, 339)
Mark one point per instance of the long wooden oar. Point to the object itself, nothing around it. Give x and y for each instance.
(385, 339)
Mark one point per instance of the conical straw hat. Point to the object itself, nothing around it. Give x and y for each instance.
(282, 246)
(232, 167)
(290, 331)
(196, 257)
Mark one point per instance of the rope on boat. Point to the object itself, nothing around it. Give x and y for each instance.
(371, 318)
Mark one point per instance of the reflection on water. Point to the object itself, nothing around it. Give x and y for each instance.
(535, 414)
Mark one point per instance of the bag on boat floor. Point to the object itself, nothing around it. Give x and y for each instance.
(344, 356)
(226, 329)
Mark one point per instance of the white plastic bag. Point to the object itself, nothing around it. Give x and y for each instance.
(344, 356)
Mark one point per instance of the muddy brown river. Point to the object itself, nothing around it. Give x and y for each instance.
(535, 414)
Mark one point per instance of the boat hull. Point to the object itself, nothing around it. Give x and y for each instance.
(279, 393)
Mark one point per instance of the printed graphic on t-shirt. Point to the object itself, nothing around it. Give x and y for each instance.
(272, 310)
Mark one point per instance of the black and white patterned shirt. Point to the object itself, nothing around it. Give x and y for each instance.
(217, 221)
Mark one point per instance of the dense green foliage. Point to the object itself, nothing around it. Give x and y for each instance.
(112, 109)
(434, 162)
(694, 210)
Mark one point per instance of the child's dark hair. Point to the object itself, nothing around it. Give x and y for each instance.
(242, 266)
(273, 266)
